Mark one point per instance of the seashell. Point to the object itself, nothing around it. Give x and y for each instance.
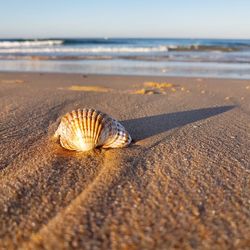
(86, 129)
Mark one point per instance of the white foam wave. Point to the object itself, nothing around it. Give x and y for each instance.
(25, 44)
(84, 50)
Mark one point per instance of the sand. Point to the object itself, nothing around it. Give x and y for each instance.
(182, 184)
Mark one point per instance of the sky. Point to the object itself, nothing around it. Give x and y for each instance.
(125, 18)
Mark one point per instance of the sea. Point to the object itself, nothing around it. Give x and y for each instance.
(220, 58)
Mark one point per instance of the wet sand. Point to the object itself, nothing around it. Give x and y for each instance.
(184, 183)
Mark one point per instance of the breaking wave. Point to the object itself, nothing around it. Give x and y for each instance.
(83, 49)
(29, 43)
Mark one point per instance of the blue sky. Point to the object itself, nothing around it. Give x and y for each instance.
(125, 18)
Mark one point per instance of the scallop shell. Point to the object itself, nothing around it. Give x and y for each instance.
(86, 129)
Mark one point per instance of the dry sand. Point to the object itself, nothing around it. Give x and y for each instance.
(184, 183)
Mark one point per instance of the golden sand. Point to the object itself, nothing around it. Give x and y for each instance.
(159, 85)
(88, 88)
(12, 81)
(151, 88)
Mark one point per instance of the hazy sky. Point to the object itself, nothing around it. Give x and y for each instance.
(125, 18)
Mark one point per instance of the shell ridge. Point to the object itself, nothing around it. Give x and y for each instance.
(84, 120)
(93, 127)
(75, 130)
(99, 127)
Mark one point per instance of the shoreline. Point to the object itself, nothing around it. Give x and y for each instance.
(121, 75)
(182, 183)
(222, 70)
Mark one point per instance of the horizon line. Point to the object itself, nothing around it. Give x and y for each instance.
(117, 37)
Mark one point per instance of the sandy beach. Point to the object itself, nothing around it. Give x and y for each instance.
(184, 182)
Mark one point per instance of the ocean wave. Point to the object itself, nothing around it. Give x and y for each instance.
(94, 41)
(84, 50)
(57, 46)
(29, 43)
(137, 44)
(195, 47)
